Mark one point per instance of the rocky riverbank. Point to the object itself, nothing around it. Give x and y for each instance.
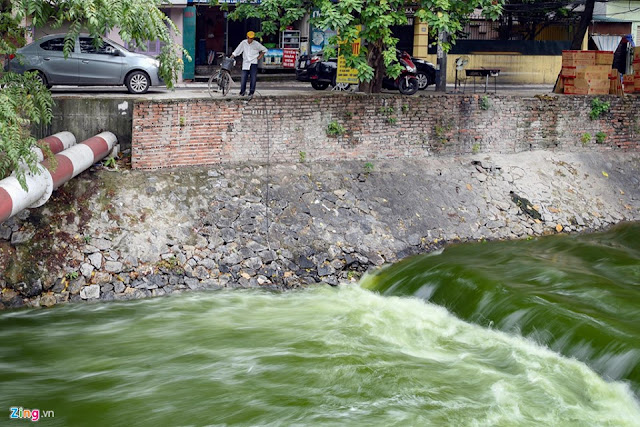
(126, 234)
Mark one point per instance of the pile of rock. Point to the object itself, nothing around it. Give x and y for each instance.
(173, 231)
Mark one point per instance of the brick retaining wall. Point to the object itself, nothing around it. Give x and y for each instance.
(213, 131)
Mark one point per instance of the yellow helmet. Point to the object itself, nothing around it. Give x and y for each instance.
(251, 35)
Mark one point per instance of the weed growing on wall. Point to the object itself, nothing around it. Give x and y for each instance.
(485, 104)
(335, 129)
(601, 137)
(585, 138)
(440, 130)
(388, 111)
(598, 108)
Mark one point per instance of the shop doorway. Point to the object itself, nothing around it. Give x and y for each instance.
(210, 34)
(238, 31)
(404, 34)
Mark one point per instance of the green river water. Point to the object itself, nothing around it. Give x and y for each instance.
(542, 332)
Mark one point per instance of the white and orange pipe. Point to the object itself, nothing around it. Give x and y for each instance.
(70, 162)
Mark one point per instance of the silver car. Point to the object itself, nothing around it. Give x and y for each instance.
(89, 64)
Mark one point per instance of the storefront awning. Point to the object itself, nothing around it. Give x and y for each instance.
(609, 43)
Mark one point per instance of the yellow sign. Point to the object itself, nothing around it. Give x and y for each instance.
(346, 74)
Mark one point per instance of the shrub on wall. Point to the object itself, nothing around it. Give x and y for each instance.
(335, 129)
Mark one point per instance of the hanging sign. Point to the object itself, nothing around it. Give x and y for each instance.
(318, 37)
(289, 58)
(347, 74)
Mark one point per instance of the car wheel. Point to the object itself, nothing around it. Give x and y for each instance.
(43, 79)
(423, 80)
(342, 87)
(138, 82)
(319, 85)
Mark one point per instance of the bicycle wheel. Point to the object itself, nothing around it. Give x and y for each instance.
(225, 82)
(213, 84)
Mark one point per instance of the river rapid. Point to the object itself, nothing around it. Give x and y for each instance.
(539, 332)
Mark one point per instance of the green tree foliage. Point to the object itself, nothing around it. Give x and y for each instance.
(375, 18)
(24, 102)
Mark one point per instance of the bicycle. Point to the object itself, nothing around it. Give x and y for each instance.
(220, 81)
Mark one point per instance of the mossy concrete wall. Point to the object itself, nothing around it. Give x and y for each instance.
(86, 117)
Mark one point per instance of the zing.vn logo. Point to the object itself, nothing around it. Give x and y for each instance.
(18, 413)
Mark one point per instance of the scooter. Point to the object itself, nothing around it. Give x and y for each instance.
(406, 82)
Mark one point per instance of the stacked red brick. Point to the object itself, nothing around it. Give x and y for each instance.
(586, 72)
(636, 70)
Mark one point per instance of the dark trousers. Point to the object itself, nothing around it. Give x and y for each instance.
(253, 71)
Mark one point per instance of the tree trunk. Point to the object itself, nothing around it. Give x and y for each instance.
(585, 20)
(441, 65)
(375, 60)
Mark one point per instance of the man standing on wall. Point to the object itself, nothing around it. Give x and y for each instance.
(251, 52)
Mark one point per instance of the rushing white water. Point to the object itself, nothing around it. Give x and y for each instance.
(327, 356)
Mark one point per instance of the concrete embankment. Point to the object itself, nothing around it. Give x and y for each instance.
(130, 234)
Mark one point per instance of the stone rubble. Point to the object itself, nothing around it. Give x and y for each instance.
(289, 226)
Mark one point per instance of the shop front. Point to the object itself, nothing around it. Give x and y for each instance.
(209, 31)
(283, 52)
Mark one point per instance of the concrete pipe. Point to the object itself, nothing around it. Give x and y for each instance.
(71, 162)
(13, 198)
(57, 142)
(80, 157)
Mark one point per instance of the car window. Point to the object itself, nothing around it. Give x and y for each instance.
(117, 45)
(53, 44)
(88, 45)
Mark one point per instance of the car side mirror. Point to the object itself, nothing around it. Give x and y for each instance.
(110, 50)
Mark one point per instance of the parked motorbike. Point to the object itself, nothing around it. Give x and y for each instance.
(406, 82)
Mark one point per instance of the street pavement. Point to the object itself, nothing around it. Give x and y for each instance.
(190, 90)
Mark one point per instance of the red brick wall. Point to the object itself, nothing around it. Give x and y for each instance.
(212, 131)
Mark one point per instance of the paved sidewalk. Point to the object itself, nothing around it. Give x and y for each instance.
(189, 90)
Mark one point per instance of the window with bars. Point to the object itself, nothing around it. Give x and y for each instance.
(481, 29)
